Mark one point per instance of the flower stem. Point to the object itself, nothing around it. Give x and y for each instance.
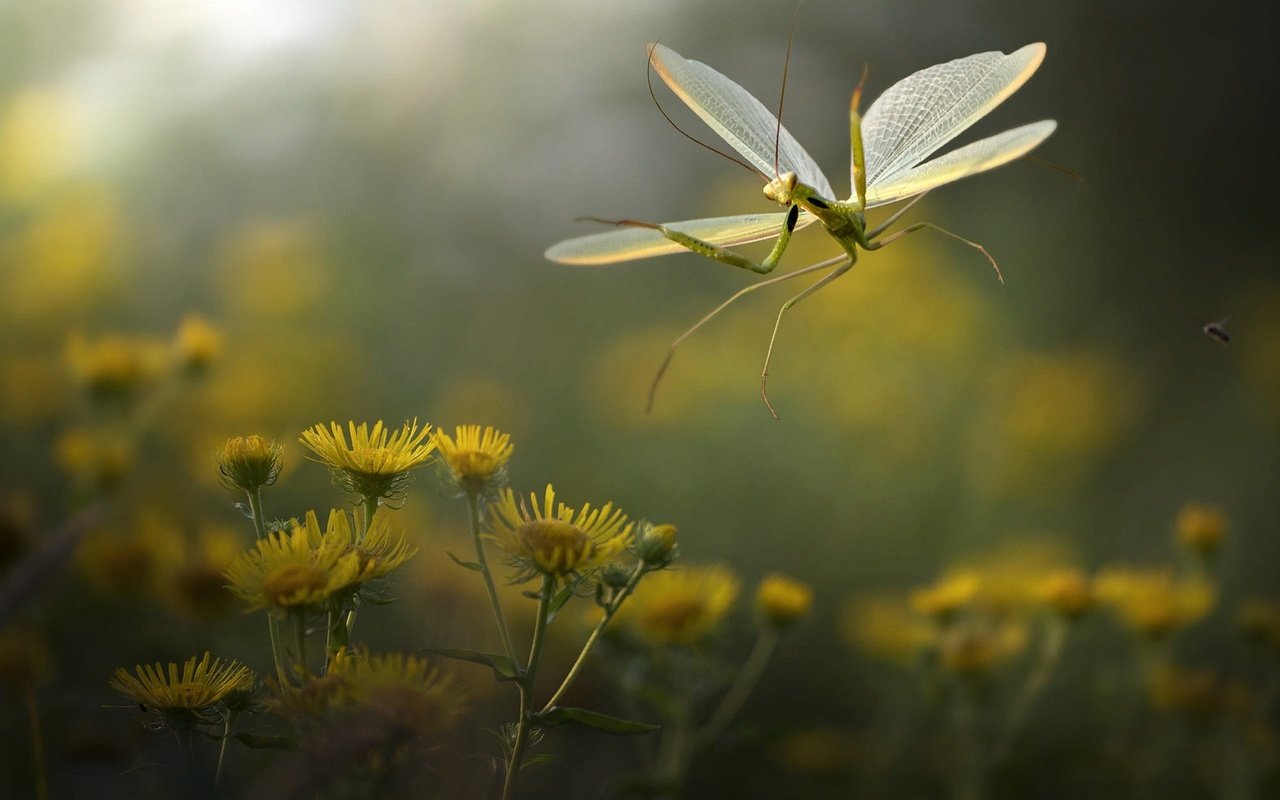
(273, 632)
(741, 689)
(1051, 647)
(473, 511)
(526, 684)
(609, 611)
(37, 743)
(335, 635)
(370, 507)
(222, 749)
(300, 641)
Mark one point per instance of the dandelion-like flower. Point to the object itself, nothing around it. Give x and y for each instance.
(304, 567)
(783, 601)
(680, 607)
(199, 684)
(375, 463)
(249, 462)
(475, 459)
(1201, 529)
(1066, 592)
(551, 538)
(405, 689)
(1153, 602)
(945, 598)
(972, 651)
(197, 344)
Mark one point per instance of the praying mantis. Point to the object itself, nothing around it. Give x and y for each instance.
(889, 144)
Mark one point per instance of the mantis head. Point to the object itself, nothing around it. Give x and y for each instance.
(781, 188)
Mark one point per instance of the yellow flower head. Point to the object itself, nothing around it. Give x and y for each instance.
(1194, 692)
(475, 458)
(946, 597)
(131, 562)
(886, 627)
(972, 651)
(1153, 602)
(1066, 592)
(404, 689)
(1201, 529)
(304, 567)
(1260, 622)
(200, 683)
(197, 588)
(656, 545)
(680, 606)
(197, 344)
(249, 462)
(114, 368)
(550, 538)
(376, 463)
(783, 601)
(97, 461)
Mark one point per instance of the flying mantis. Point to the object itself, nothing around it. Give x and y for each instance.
(889, 144)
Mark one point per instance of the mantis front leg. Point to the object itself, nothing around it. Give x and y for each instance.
(716, 252)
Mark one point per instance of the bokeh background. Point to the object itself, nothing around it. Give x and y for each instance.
(356, 197)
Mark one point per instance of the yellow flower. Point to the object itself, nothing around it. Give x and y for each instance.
(1153, 602)
(656, 545)
(1201, 528)
(403, 689)
(1192, 692)
(24, 659)
(1067, 592)
(1260, 622)
(783, 601)
(98, 461)
(197, 343)
(376, 463)
(972, 651)
(303, 568)
(249, 462)
(680, 606)
(550, 538)
(131, 562)
(202, 683)
(197, 587)
(114, 368)
(943, 599)
(886, 627)
(476, 459)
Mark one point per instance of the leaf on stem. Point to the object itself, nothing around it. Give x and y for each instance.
(558, 715)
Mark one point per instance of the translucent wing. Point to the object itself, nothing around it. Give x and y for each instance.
(737, 117)
(629, 243)
(971, 159)
(929, 108)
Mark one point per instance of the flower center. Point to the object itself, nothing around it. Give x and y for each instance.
(293, 583)
(557, 547)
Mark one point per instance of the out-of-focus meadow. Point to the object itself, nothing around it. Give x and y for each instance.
(1039, 519)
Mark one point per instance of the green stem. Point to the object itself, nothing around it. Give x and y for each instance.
(673, 755)
(369, 507)
(526, 685)
(300, 641)
(222, 749)
(37, 744)
(741, 689)
(335, 636)
(1051, 646)
(609, 611)
(273, 632)
(473, 511)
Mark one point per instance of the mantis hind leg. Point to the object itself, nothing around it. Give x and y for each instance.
(715, 252)
(768, 356)
(921, 226)
(671, 350)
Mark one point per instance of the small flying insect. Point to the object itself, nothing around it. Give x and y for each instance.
(908, 123)
(1218, 332)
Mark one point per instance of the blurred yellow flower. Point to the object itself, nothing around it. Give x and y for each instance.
(376, 463)
(1066, 592)
(197, 344)
(200, 683)
(945, 598)
(475, 458)
(974, 650)
(404, 689)
(24, 659)
(1200, 528)
(115, 368)
(133, 562)
(97, 460)
(551, 538)
(1153, 602)
(1193, 692)
(680, 606)
(1260, 622)
(249, 462)
(196, 587)
(783, 601)
(886, 627)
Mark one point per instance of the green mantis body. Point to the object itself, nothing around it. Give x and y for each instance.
(910, 121)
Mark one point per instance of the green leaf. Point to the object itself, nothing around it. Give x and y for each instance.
(541, 758)
(502, 667)
(557, 715)
(471, 565)
(561, 597)
(259, 741)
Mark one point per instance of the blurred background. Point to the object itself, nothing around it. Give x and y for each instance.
(338, 211)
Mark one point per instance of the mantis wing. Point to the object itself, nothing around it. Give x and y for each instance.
(630, 243)
(738, 118)
(929, 108)
(962, 162)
